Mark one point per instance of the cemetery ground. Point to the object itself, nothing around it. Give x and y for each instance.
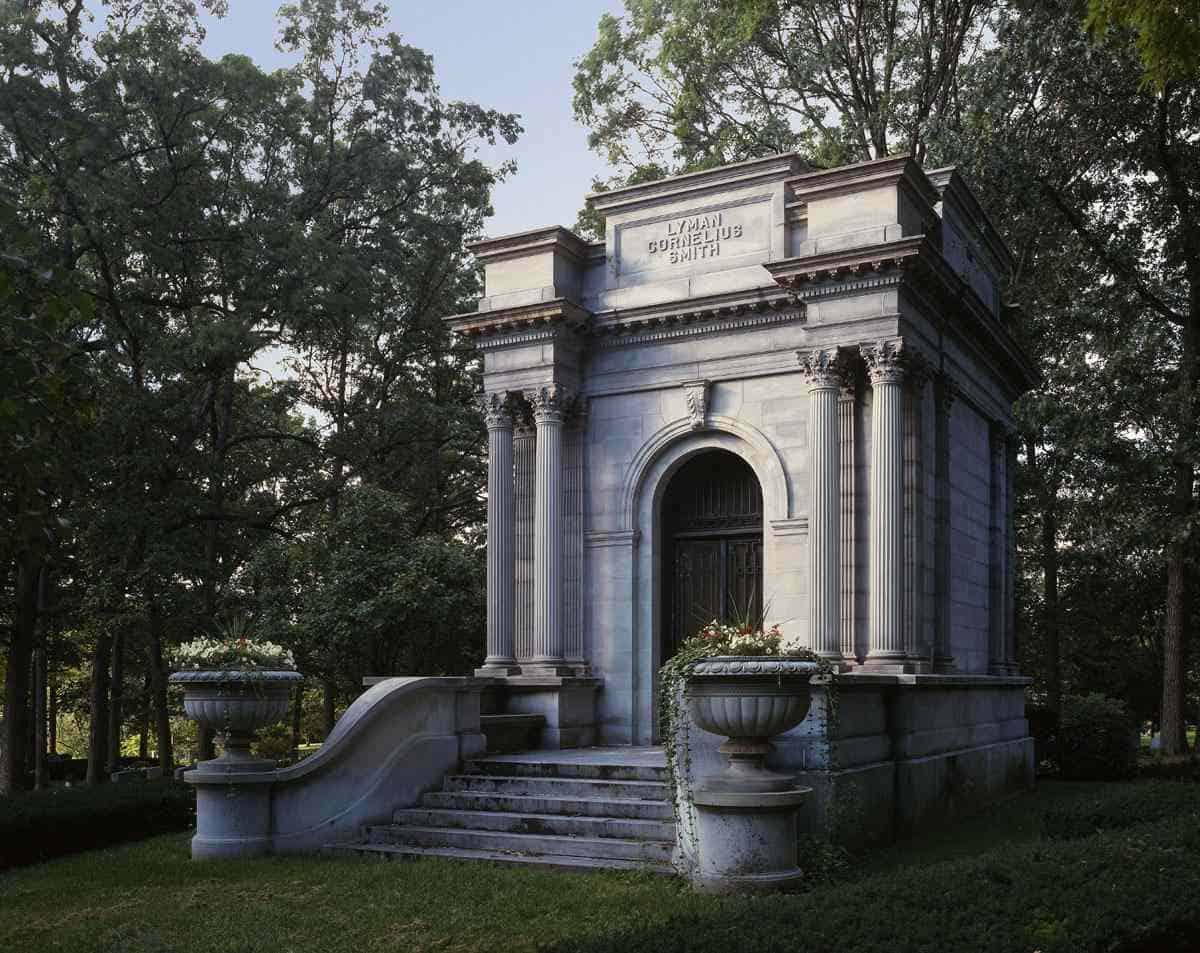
(1070, 866)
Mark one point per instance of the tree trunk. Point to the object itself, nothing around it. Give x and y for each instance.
(98, 730)
(330, 710)
(52, 714)
(144, 719)
(116, 708)
(1048, 556)
(1174, 732)
(14, 742)
(41, 777)
(158, 688)
(297, 716)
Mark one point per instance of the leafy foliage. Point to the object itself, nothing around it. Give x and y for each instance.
(229, 286)
(36, 827)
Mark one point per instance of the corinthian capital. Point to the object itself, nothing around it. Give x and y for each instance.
(885, 360)
(822, 366)
(497, 410)
(550, 403)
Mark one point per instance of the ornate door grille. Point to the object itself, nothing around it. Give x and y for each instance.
(712, 531)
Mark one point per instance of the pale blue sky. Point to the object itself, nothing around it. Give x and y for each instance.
(514, 56)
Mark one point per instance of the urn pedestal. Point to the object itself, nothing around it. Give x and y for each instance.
(233, 793)
(746, 824)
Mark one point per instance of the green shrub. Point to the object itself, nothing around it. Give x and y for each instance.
(1109, 892)
(1114, 811)
(41, 825)
(1096, 739)
(1170, 769)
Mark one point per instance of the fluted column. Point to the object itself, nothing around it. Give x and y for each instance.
(848, 450)
(524, 441)
(550, 404)
(820, 367)
(501, 526)
(884, 362)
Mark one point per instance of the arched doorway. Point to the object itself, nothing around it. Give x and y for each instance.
(712, 532)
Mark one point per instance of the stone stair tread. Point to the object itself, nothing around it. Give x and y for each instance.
(549, 844)
(642, 828)
(526, 778)
(519, 766)
(513, 719)
(553, 861)
(545, 804)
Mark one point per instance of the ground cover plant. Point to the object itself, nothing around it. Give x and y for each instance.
(992, 882)
(45, 824)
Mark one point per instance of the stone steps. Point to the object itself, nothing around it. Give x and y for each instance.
(504, 858)
(539, 804)
(520, 766)
(568, 810)
(556, 787)
(527, 823)
(597, 848)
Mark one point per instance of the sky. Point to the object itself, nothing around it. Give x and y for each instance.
(515, 57)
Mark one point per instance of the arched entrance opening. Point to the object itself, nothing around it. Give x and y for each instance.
(712, 533)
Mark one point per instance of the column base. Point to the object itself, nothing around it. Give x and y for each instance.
(501, 670)
(896, 666)
(547, 669)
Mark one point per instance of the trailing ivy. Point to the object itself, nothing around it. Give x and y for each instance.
(741, 637)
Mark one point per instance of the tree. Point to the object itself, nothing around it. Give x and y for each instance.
(213, 214)
(676, 84)
(44, 407)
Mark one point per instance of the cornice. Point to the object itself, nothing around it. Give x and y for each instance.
(522, 244)
(912, 263)
(666, 329)
(850, 263)
(874, 173)
(560, 312)
(732, 176)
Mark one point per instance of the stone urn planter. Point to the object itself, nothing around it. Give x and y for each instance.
(235, 704)
(746, 816)
(233, 807)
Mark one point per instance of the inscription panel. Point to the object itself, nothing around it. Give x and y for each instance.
(695, 241)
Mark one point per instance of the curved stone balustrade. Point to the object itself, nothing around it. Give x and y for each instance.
(396, 741)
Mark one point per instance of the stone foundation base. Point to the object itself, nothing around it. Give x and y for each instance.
(905, 753)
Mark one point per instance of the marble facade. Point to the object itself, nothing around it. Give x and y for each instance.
(841, 332)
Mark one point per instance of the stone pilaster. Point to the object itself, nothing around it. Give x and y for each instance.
(997, 661)
(524, 442)
(820, 368)
(886, 367)
(915, 642)
(501, 658)
(848, 451)
(550, 405)
(1010, 574)
(945, 392)
(574, 434)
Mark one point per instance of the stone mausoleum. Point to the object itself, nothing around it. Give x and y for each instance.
(768, 389)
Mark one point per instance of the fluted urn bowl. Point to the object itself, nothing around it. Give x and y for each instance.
(235, 704)
(749, 699)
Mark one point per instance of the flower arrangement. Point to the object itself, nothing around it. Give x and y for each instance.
(725, 638)
(746, 634)
(237, 654)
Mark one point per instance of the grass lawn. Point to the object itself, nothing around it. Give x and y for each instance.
(963, 888)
